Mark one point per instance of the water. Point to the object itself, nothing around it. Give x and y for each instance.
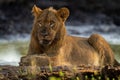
(13, 47)
(110, 32)
(11, 52)
(9, 56)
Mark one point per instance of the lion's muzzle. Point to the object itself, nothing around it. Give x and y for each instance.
(44, 32)
(45, 42)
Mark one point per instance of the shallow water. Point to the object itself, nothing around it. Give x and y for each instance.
(11, 52)
(13, 47)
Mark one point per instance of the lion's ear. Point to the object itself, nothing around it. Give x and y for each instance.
(63, 13)
(36, 11)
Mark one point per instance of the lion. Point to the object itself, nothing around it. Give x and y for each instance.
(49, 38)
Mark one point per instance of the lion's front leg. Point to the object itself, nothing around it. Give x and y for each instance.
(35, 60)
(102, 47)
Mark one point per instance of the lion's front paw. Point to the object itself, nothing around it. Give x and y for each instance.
(32, 60)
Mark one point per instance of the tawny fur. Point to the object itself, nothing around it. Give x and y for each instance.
(65, 49)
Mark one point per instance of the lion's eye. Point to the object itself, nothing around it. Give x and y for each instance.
(52, 24)
(40, 24)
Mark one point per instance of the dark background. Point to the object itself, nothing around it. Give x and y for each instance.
(16, 17)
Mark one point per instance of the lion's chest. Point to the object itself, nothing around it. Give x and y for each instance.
(58, 58)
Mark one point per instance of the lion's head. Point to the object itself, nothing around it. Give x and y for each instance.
(49, 24)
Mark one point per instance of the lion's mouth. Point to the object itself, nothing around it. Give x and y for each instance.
(45, 42)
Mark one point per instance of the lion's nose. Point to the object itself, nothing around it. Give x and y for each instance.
(44, 32)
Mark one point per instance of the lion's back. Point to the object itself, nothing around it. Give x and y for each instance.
(93, 50)
(79, 51)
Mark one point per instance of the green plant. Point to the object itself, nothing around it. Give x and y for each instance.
(107, 78)
(61, 73)
(86, 77)
(92, 77)
(77, 78)
(53, 78)
(50, 67)
(99, 77)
